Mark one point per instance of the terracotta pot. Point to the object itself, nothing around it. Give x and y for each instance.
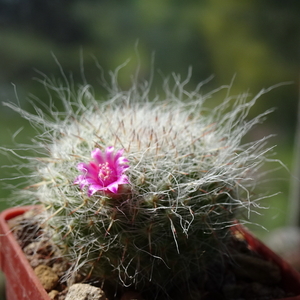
(21, 282)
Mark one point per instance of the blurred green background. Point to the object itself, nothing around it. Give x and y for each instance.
(257, 41)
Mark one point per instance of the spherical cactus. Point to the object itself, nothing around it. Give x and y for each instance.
(141, 192)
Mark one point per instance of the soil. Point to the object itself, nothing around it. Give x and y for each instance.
(243, 275)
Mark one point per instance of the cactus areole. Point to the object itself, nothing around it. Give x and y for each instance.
(141, 192)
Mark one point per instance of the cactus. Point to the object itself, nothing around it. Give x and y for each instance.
(141, 192)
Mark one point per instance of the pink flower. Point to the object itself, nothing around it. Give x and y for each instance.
(104, 172)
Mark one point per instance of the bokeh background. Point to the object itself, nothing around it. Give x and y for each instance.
(255, 41)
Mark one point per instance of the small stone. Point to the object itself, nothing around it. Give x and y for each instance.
(81, 291)
(47, 277)
(53, 294)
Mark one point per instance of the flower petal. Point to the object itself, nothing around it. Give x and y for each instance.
(118, 155)
(94, 188)
(113, 187)
(109, 154)
(123, 179)
(97, 155)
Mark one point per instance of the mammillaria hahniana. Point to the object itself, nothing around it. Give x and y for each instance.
(152, 208)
